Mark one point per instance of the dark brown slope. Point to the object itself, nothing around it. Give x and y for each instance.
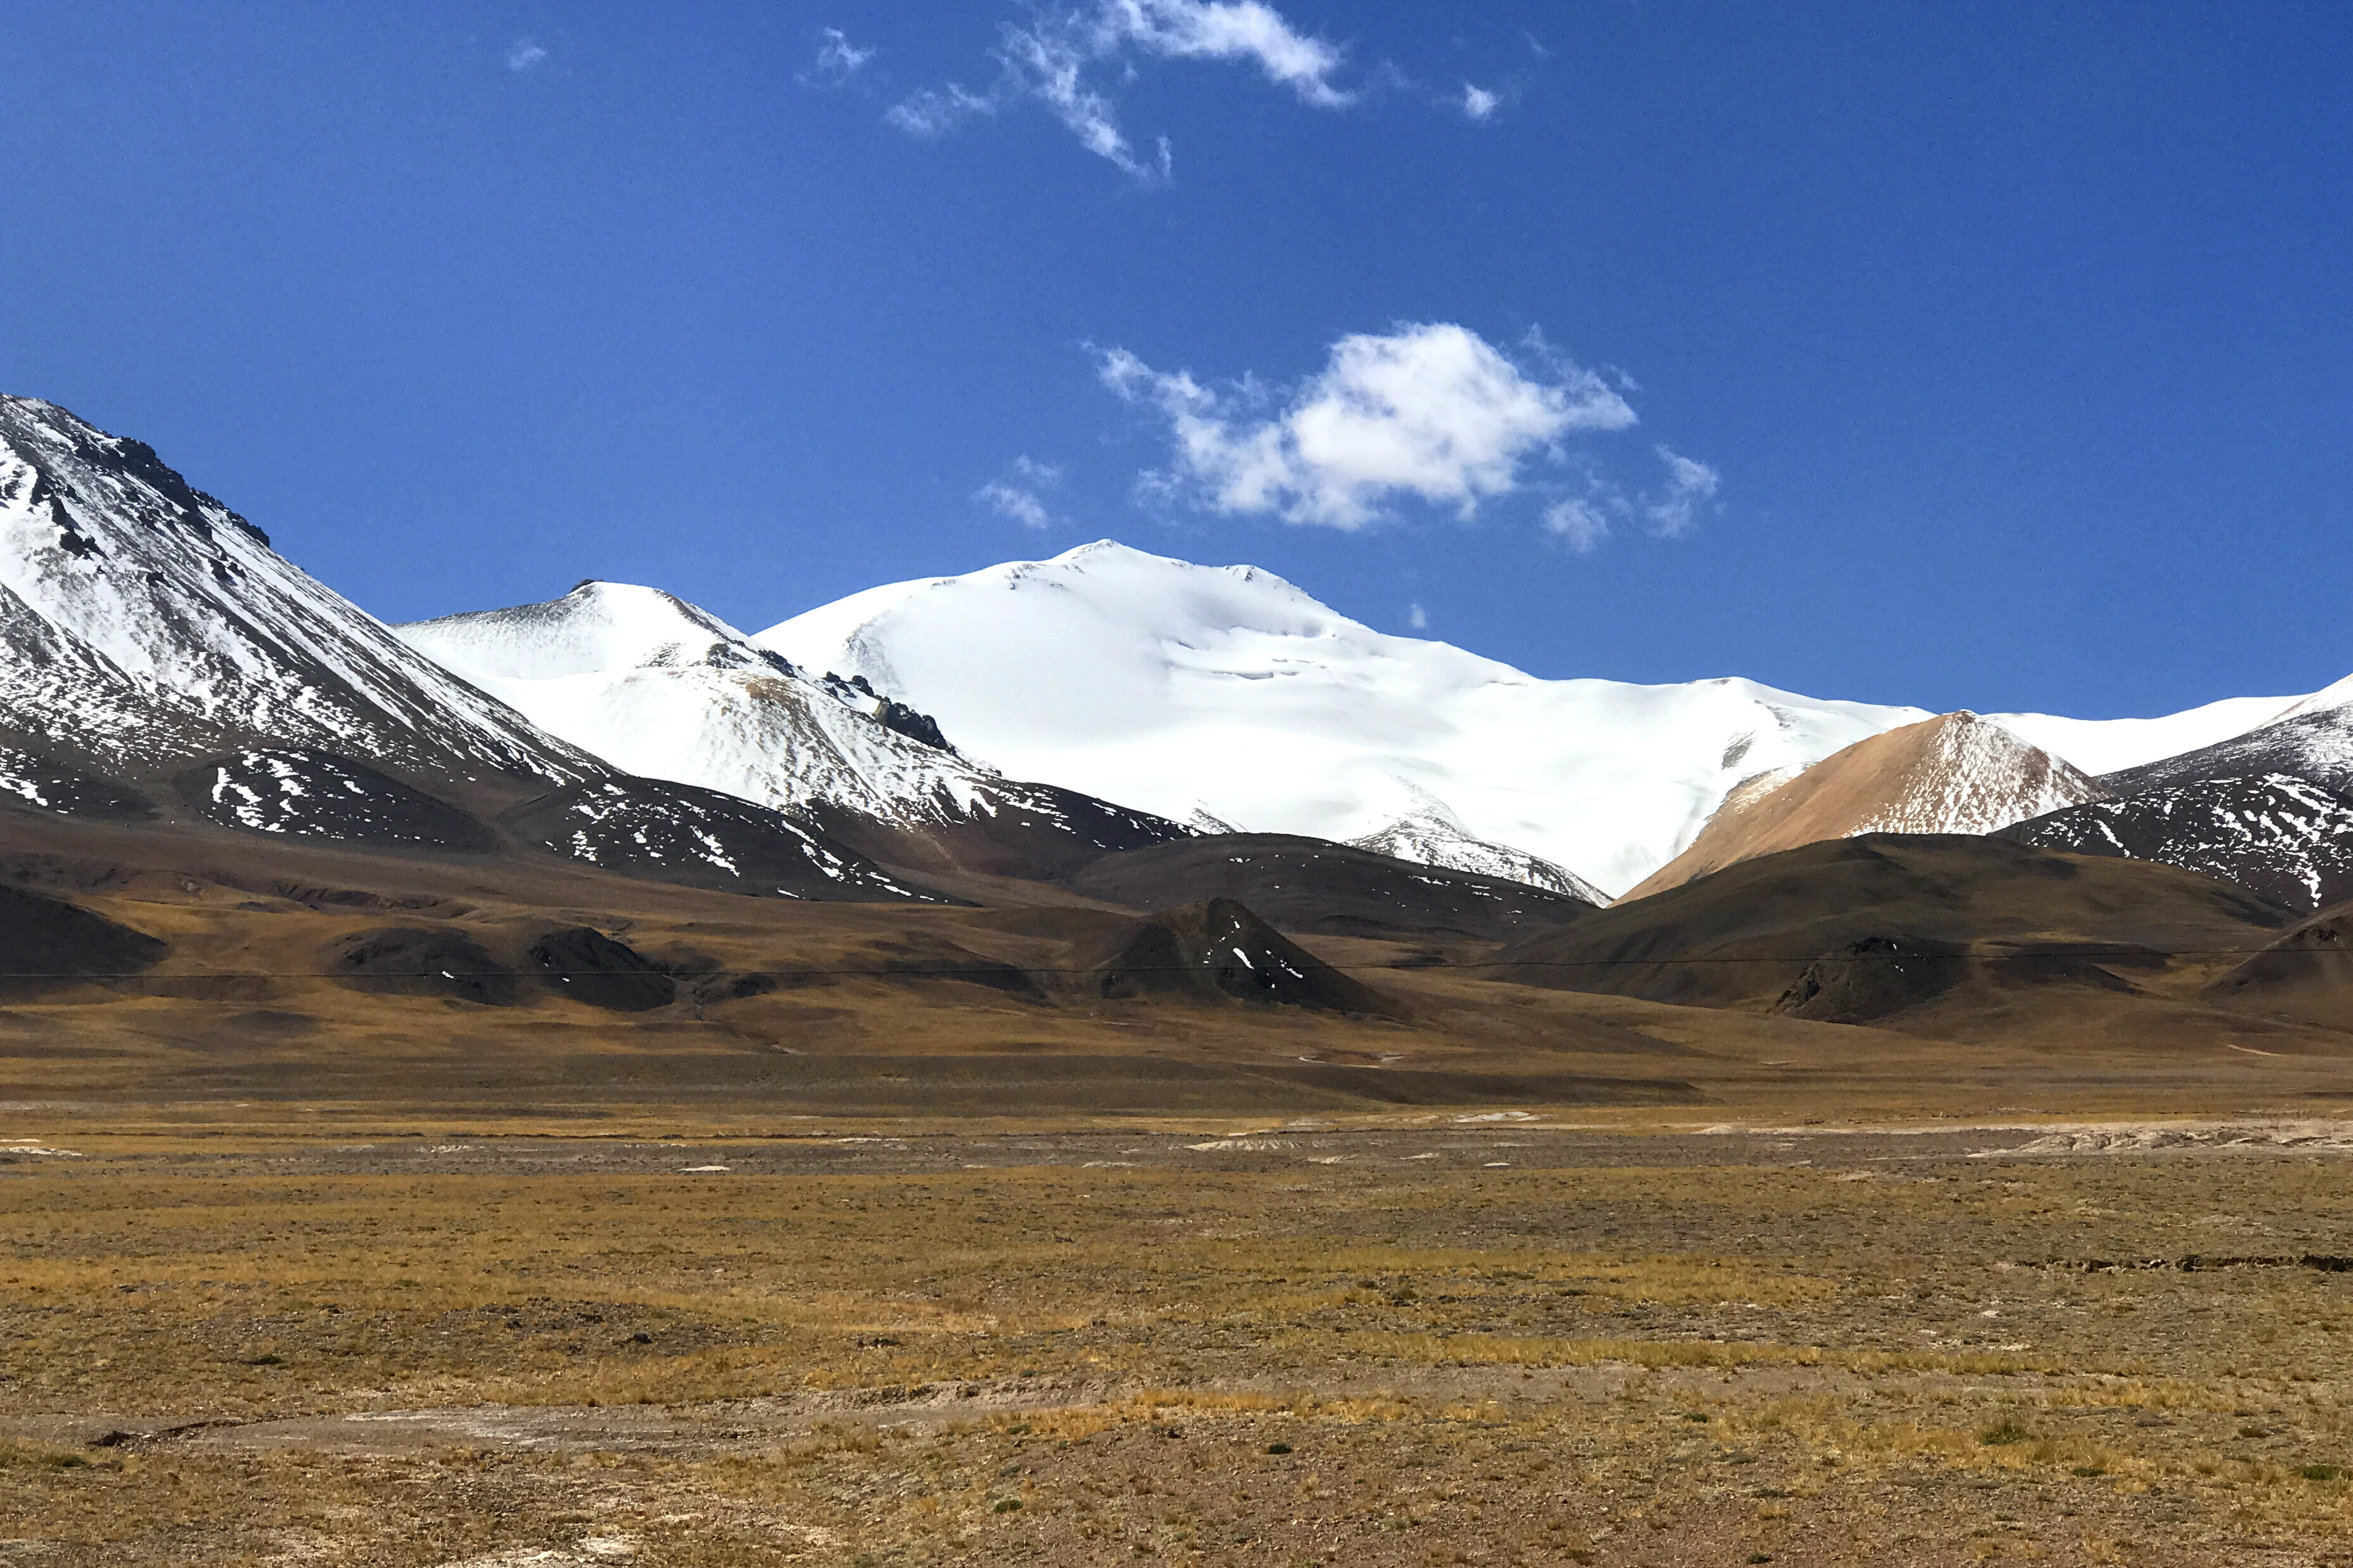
(1747, 935)
(1336, 890)
(2306, 974)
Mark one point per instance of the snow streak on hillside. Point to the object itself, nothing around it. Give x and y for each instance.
(1181, 688)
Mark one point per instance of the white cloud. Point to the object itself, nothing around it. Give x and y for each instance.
(526, 54)
(1017, 498)
(1579, 522)
(837, 60)
(1431, 411)
(1690, 485)
(1053, 61)
(1011, 501)
(1417, 617)
(1478, 103)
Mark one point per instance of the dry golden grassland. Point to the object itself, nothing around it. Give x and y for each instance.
(1379, 1342)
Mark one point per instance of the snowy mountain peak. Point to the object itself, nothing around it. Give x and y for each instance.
(143, 622)
(596, 628)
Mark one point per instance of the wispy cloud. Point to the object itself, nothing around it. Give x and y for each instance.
(1690, 484)
(1417, 617)
(837, 60)
(1478, 103)
(1018, 497)
(526, 55)
(1058, 59)
(1430, 412)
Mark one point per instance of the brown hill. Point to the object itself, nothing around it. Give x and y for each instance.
(2306, 974)
(1932, 910)
(1957, 774)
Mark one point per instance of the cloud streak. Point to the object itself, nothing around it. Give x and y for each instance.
(1430, 412)
(837, 60)
(1017, 498)
(1058, 61)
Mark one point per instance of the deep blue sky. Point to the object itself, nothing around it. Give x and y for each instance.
(2020, 335)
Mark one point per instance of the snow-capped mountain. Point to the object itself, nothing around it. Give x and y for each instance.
(660, 689)
(157, 656)
(144, 624)
(1956, 774)
(2313, 738)
(2283, 837)
(1184, 688)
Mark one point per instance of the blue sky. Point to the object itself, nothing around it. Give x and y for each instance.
(1983, 355)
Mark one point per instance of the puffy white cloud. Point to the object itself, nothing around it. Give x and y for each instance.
(1690, 485)
(1053, 60)
(1431, 411)
(837, 60)
(1417, 617)
(1478, 103)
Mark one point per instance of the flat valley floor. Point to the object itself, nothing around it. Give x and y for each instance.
(1430, 1337)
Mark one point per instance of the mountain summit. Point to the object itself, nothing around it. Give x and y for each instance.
(1225, 691)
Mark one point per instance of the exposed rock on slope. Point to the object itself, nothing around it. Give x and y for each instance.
(317, 794)
(657, 688)
(1219, 949)
(2285, 837)
(1309, 884)
(1957, 774)
(701, 838)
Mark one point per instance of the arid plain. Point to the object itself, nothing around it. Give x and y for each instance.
(922, 1249)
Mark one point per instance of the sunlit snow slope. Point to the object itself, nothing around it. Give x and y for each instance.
(659, 687)
(1178, 688)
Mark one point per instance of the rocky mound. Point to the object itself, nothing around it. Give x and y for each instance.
(2285, 837)
(590, 967)
(423, 961)
(1877, 978)
(318, 795)
(1959, 774)
(681, 832)
(1217, 949)
(46, 942)
(2306, 973)
(1746, 935)
(1311, 885)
